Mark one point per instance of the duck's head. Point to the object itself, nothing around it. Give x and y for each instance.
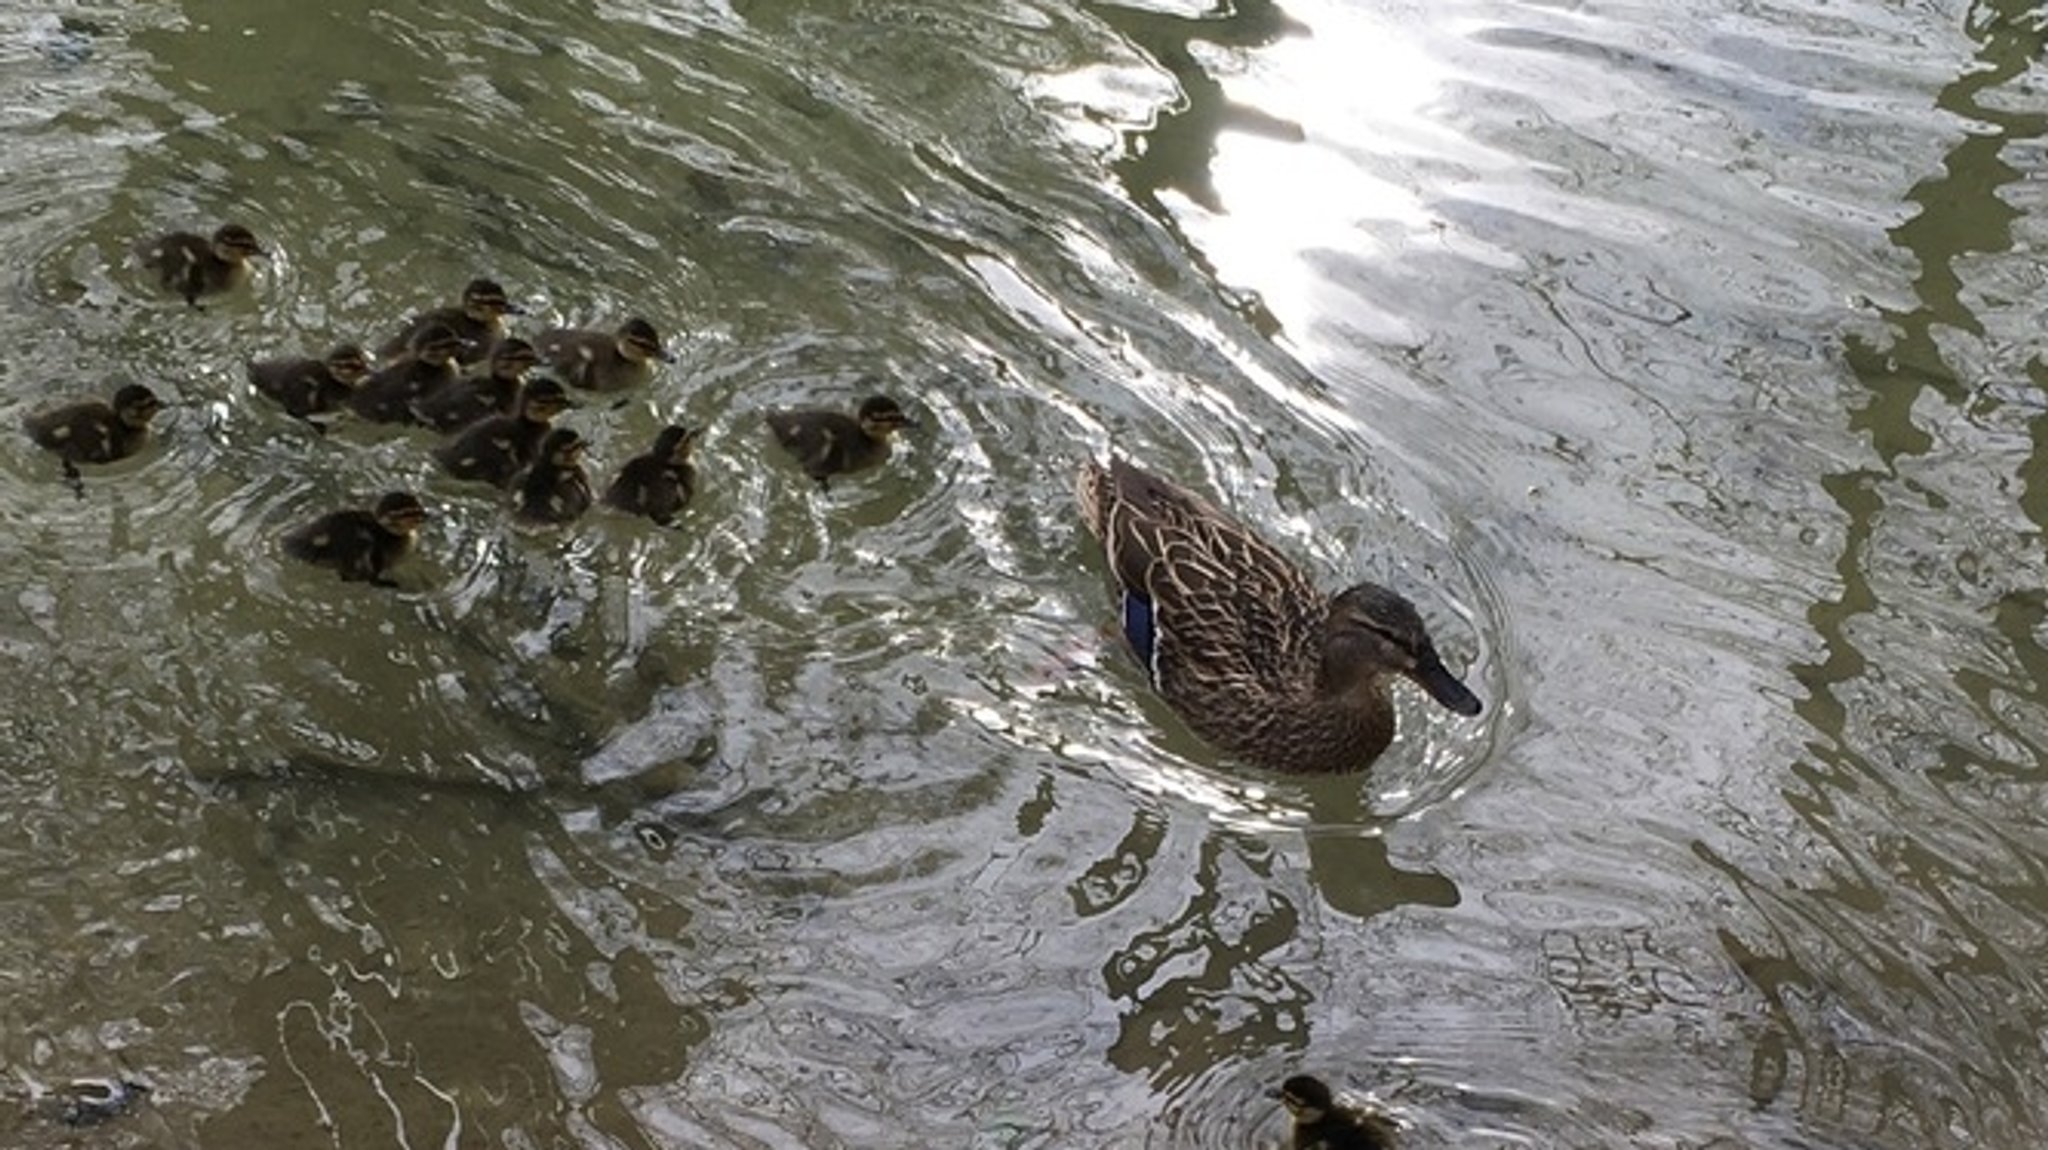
(638, 342)
(484, 301)
(675, 443)
(563, 447)
(234, 243)
(512, 358)
(436, 344)
(544, 399)
(400, 512)
(1306, 1097)
(347, 364)
(880, 417)
(1372, 631)
(136, 405)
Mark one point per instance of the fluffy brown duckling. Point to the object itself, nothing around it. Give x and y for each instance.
(477, 320)
(360, 544)
(660, 482)
(307, 387)
(604, 360)
(463, 402)
(388, 395)
(555, 489)
(828, 443)
(193, 265)
(94, 431)
(1324, 1122)
(496, 448)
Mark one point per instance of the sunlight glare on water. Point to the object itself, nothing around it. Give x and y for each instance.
(1680, 363)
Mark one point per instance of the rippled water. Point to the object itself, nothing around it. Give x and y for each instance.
(1679, 362)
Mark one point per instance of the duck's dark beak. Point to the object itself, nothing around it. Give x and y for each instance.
(1273, 1092)
(510, 308)
(1444, 687)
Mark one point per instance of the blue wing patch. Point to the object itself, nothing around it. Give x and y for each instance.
(1139, 631)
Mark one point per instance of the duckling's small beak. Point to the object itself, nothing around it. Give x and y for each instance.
(1274, 1093)
(1431, 675)
(665, 355)
(510, 308)
(260, 252)
(906, 421)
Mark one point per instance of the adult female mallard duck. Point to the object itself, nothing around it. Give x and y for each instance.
(477, 320)
(604, 360)
(494, 449)
(360, 544)
(1323, 1121)
(94, 431)
(307, 387)
(555, 489)
(194, 265)
(660, 482)
(464, 401)
(1239, 640)
(388, 395)
(828, 443)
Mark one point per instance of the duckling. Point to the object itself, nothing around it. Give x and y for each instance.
(604, 360)
(477, 321)
(829, 443)
(463, 402)
(361, 545)
(660, 482)
(388, 394)
(555, 489)
(494, 449)
(308, 387)
(1322, 1122)
(91, 431)
(194, 265)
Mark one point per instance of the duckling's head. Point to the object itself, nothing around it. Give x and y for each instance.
(234, 243)
(136, 405)
(436, 344)
(484, 301)
(544, 399)
(880, 417)
(1306, 1097)
(512, 358)
(639, 342)
(400, 512)
(675, 443)
(347, 364)
(563, 447)
(1370, 632)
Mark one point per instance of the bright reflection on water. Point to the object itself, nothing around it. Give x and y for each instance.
(1678, 361)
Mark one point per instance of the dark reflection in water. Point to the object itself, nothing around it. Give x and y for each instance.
(1173, 153)
(1889, 796)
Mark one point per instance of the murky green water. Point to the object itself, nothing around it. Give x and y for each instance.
(1681, 363)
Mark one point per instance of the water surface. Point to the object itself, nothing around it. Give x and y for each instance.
(1678, 361)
